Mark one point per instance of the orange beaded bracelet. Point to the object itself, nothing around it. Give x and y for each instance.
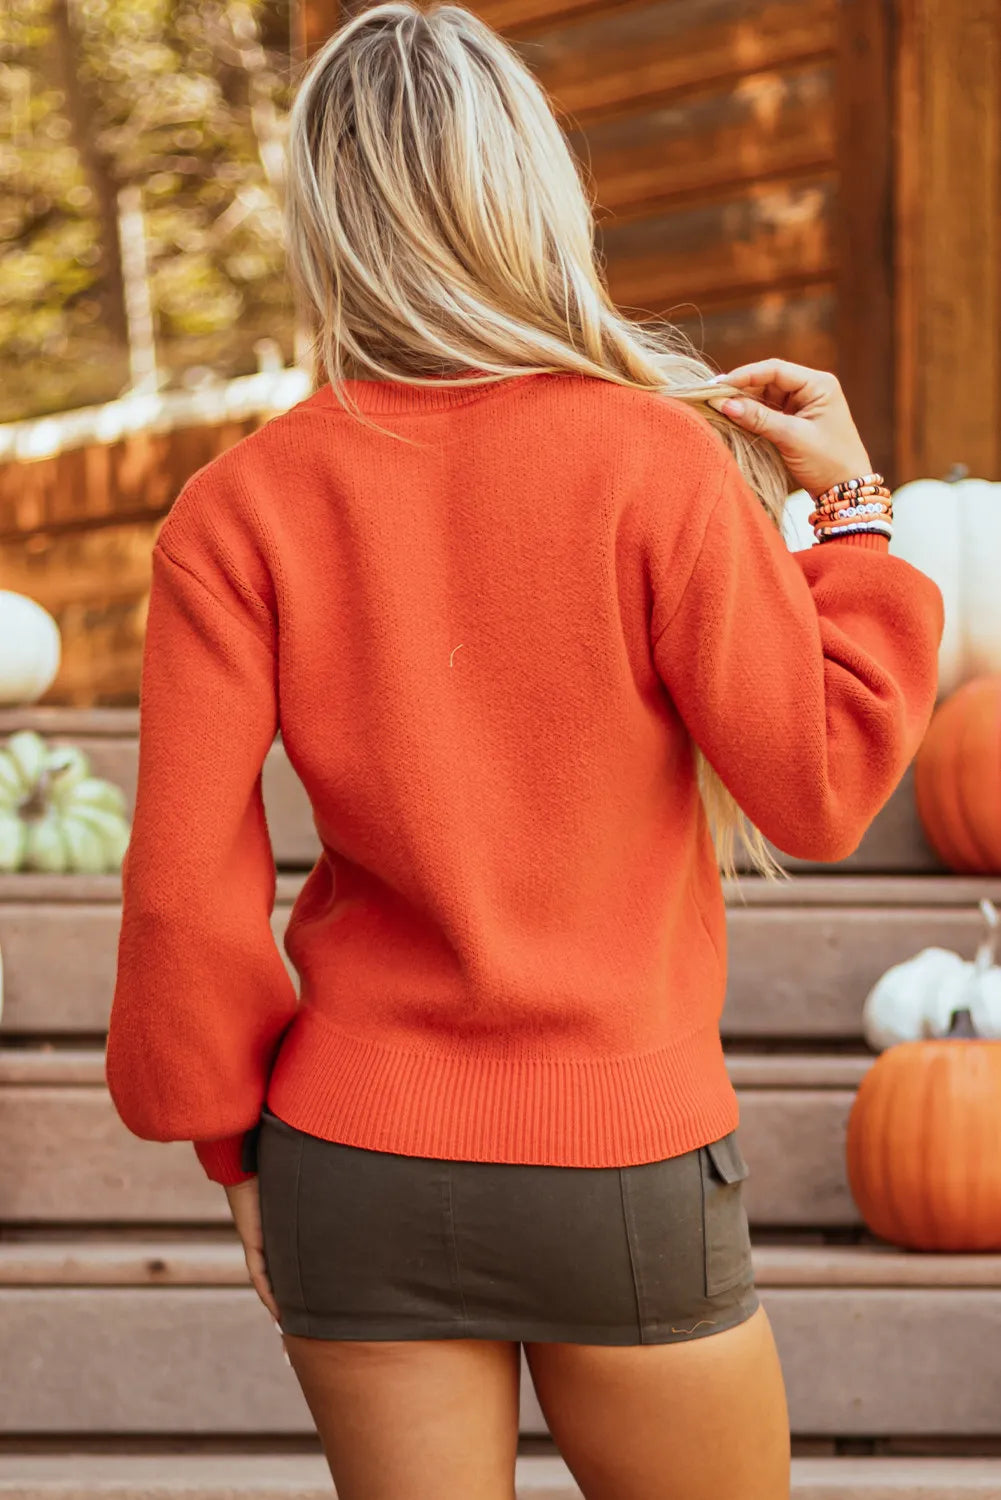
(846, 487)
(851, 506)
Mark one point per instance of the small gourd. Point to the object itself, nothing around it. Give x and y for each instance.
(55, 816)
(916, 999)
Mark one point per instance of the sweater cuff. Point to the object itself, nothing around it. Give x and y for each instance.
(222, 1160)
(870, 541)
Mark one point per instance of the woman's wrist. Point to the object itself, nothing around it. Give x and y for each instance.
(825, 475)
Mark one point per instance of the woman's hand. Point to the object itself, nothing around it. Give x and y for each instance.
(804, 413)
(245, 1204)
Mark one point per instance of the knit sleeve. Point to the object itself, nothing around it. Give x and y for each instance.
(202, 995)
(806, 678)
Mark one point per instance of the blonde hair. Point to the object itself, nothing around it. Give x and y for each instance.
(437, 222)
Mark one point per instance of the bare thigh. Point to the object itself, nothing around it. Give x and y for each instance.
(411, 1419)
(695, 1421)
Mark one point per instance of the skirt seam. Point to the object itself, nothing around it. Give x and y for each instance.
(453, 1244)
(638, 1291)
(298, 1233)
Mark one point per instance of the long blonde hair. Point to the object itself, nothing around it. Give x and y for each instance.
(437, 222)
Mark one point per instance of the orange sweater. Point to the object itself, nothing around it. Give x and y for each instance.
(488, 655)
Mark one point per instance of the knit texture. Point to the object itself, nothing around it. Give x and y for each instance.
(489, 651)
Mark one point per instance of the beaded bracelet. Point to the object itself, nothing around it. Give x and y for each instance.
(858, 497)
(853, 506)
(827, 505)
(852, 513)
(846, 486)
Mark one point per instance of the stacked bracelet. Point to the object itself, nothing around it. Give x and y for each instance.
(853, 506)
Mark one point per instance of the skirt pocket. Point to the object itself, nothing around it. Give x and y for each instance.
(727, 1236)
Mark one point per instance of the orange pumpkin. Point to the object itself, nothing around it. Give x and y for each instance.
(924, 1143)
(957, 779)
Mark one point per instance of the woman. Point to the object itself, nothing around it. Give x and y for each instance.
(510, 586)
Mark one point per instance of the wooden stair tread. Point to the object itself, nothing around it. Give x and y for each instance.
(901, 1478)
(216, 1477)
(113, 1476)
(922, 892)
(89, 723)
(65, 1067)
(195, 1261)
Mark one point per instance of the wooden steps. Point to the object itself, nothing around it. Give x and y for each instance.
(304, 1477)
(854, 1326)
(112, 1247)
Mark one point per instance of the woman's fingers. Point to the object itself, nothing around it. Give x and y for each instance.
(754, 416)
(803, 413)
(790, 379)
(259, 1278)
(789, 388)
(245, 1205)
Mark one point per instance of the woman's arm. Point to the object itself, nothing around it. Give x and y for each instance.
(807, 679)
(202, 994)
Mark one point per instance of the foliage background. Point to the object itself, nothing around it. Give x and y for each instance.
(183, 102)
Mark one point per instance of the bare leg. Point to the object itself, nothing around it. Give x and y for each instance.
(705, 1420)
(432, 1419)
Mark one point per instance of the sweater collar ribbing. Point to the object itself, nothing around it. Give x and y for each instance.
(399, 396)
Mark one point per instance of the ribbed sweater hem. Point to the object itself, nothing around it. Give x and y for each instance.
(602, 1112)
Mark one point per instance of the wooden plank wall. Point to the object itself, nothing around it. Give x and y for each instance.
(820, 180)
(948, 241)
(76, 533)
(739, 154)
(709, 132)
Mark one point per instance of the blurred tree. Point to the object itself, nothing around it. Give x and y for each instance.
(182, 100)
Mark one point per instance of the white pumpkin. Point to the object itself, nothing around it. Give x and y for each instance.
(796, 528)
(916, 1000)
(29, 649)
(54, 815)
(951, 530)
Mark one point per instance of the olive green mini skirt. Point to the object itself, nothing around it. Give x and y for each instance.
(368, 1245)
